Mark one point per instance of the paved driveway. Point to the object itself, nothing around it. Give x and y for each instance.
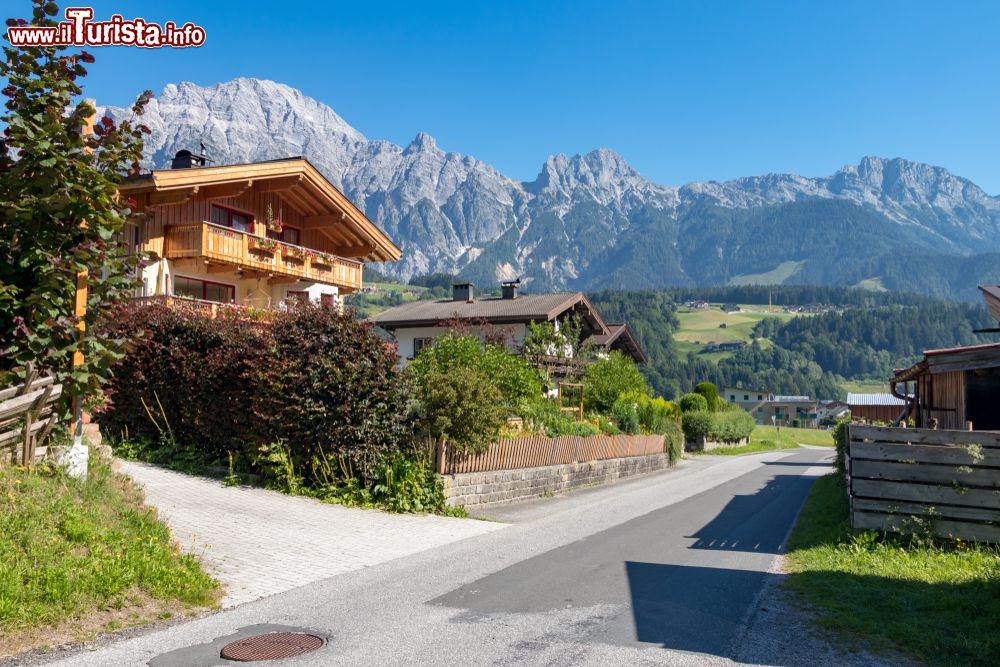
(259, 542)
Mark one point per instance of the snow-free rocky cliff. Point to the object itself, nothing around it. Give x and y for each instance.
(585, 221)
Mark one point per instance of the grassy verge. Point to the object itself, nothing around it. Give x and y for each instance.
(939, 606)
(78, 558)
(768, 438)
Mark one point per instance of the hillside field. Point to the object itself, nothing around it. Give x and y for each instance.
(698, 327)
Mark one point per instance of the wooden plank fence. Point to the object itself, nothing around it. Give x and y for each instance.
(907, 480)
(539, 450)
(27, 417)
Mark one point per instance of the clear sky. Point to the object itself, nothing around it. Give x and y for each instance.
(684, 91)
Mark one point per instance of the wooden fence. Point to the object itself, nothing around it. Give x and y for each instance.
(539, 450)
(908, 480)
(27, 417)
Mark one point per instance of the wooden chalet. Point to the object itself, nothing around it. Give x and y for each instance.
(254, 234)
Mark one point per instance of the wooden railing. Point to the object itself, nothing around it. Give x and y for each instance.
(915, 480)
(539, 450)
(212, 309)
(231, 246)
(26, 416)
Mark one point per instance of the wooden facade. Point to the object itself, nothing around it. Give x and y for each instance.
(189, 229)
(954, 386)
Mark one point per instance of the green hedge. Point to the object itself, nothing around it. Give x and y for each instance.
(729, 426)
(319, 380)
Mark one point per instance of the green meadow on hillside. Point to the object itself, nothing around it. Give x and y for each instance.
(698, 327)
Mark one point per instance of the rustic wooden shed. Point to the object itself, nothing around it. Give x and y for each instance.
(878, 407)
(954, 386)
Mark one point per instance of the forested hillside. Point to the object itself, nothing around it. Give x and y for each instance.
(872, 334)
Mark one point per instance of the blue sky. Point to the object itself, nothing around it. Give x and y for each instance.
(684, 91)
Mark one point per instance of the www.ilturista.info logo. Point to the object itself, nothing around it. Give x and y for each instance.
(80, 30)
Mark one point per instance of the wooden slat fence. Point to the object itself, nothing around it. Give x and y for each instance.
(27, 417)
(539, 450)
(907, 480)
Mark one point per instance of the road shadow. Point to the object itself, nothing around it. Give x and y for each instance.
(757, 522)
(688, 608)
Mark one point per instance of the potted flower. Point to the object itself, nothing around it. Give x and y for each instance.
(272, 223)
(322, 258)
(263, 243)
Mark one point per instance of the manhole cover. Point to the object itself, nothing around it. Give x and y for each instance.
(271, 646)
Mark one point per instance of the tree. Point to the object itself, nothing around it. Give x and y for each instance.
(607, 379)
(711, 394)
(461, 408)
(60, 213)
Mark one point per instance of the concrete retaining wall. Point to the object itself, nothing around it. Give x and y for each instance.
(701, 444)
(479, 489)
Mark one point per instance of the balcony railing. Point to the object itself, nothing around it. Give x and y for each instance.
(231, 246)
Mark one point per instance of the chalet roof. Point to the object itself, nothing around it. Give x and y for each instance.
(949, 359)
(295, 179)
(991, 295)
(619, 337)
(493, 309)
(869, 400)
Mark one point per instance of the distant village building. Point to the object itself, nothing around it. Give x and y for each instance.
(768, 408)
(725, 346)
(696, 305)
(881, 407)
(731, 307)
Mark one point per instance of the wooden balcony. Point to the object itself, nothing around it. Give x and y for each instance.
(216, 244)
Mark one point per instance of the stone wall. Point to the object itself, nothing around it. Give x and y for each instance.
(479, 489)
(700, 444)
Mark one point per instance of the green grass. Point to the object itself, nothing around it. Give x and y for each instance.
(938, 606)
(700, 327)
(864, 387)
(768, 438)
(81, 557)
(775, 276)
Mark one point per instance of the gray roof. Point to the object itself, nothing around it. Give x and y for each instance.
(525, 308)
(874, 399)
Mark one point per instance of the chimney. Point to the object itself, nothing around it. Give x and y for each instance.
(185, 159)
(462, 292)
(508, 288)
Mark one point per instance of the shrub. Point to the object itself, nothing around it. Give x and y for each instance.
(544, 416)
(711, 394)
(674, 441)
(461, 408)
(727, 426)
(518, 383)
(839, 433)
(693, 403)
(315, 378)
(732, 426)
(626, 412)
(606, 379)
(696, 424)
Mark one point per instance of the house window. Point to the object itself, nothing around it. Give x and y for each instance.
(421, 343)
(759, 397)
(287, 235)
(297, 296)
(204, 289)
(746, 397)
(328, 300)
(732, 397)
(227, 217)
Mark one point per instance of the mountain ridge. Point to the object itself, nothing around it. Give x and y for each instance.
(570, 227)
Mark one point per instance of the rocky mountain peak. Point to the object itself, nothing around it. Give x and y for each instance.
(451, 212)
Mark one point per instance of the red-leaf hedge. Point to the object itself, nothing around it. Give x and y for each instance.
(314, 377)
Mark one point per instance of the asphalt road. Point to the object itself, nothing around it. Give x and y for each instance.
(666, 569)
